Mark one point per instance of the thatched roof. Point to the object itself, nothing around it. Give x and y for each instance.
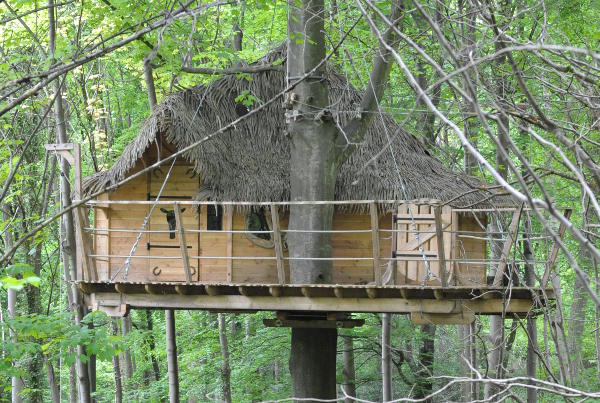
(251, 162)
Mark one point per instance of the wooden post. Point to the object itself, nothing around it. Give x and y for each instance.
(554, 252)
(182, 242)
(228, 227)
(512, 234)
(394, 263)
(439, 231)
(375, 242)
(72, 153)
(277, 243)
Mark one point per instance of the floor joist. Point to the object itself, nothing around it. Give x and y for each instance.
(117, 299)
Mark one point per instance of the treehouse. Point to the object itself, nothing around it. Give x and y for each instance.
(209, 229)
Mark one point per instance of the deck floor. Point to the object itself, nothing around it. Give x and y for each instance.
(117, 298)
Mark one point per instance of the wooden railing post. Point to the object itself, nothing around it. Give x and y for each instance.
(375, 242)
(182, 242)
(439, 231)
(277, 243)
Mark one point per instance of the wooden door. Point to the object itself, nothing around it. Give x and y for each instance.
(164, 248)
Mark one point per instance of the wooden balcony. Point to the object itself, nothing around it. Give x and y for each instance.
(419, 258)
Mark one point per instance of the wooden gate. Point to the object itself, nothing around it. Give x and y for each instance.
(423, 244)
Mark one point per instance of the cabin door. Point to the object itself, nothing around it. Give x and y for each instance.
(165, 261)
(417, 245)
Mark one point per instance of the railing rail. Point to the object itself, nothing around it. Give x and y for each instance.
(446, 261)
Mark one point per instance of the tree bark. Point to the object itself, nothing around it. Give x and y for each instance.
(348, 372)
(173, 371)
(386, 357)
(225, 369)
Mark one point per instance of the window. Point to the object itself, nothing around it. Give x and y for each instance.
(214, 217)
(256, 220)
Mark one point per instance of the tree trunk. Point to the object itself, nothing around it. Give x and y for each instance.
(128, 366)
(16, 382)
(69, 226)
(579, 304)
(52, 384)
(386, 357)
(348, 373)
(116, 367)
(313, 170)
(496, 337)
(317, 150)
(424, 385)
(225, 369)
(173, 371)
(532, 345)
(152, 345)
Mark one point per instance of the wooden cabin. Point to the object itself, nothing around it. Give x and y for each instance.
(208, 230)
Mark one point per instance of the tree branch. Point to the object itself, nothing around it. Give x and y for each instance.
(378, 79)
(233, 70)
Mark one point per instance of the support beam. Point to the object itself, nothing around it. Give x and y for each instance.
(182, 242)
(226, 303)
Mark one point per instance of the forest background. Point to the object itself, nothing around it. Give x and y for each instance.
(530, 86)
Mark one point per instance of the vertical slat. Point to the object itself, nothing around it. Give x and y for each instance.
(513, 230)
(439, 231)
(277, 243)
(229, 227)
(375, 242)
(182, 242)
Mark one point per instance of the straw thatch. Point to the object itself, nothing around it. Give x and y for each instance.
(251, 162)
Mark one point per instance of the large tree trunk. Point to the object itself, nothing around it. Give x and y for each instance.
(225, 368)
(313, 170)
(348, 372)
(317, 151)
